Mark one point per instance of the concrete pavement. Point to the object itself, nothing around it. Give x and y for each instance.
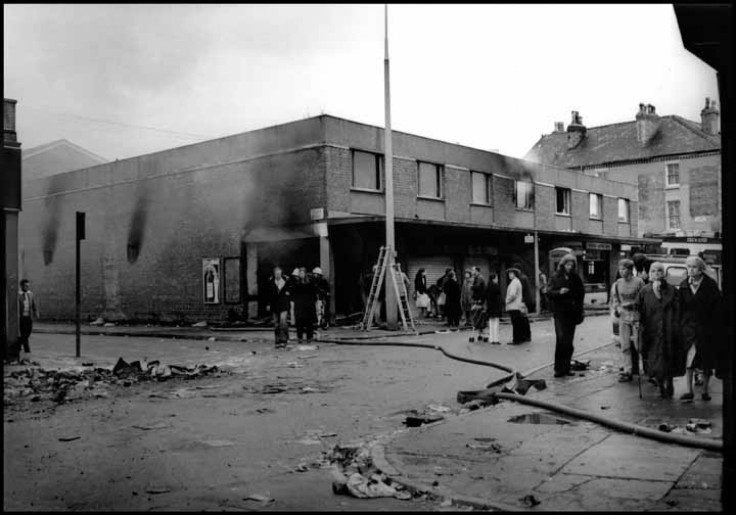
(518, 457)
(510, 456)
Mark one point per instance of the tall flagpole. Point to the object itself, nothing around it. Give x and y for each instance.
(391, 300)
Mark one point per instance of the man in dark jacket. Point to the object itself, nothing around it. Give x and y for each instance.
(304, 295)
(278, 303)
(566, 292)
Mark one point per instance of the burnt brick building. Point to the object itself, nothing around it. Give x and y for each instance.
(192, 233)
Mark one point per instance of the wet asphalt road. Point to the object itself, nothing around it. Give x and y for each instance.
(209, 443)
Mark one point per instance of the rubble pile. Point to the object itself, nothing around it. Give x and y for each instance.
(355, 474)
(37, 384)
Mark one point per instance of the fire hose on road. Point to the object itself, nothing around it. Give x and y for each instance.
(492, 391)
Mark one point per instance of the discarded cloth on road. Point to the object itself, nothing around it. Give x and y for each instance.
(520, 386)
(416, 418)
(355, 474)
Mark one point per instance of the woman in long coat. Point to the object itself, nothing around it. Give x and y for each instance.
(700, 304)
(658, 304)
(452, 302)
(566, 291)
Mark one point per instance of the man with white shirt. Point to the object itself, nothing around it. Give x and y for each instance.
(28, 311)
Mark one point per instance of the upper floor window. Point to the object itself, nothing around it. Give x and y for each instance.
(430, 180)
(563, 201)
(481, 182)
(596, 205)
(524, 193)
(623, 210)
(673, 174)
(367, 170)
(673, 214)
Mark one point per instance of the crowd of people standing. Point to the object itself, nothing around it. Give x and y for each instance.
(669, 331)
(302, 299)
(664, 331)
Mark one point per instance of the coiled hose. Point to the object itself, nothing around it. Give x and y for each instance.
(624, 427)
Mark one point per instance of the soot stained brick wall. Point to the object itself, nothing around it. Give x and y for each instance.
(146, 239)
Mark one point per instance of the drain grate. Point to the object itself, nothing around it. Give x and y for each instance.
(537, 418)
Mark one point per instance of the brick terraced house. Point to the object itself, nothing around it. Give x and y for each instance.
(192, 233)
(675, 162)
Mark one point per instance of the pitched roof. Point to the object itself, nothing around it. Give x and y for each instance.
(618, 142)
(30, 152)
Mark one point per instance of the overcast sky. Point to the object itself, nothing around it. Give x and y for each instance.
(125, 80)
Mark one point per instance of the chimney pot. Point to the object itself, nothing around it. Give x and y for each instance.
(709, 117)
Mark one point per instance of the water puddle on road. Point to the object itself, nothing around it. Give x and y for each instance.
(537, 418)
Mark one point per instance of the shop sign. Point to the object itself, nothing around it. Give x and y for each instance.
(529, 238)
(593, 245)
(318, 213)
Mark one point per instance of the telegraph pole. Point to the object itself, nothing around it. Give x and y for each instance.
(78, 259)
(391, 300)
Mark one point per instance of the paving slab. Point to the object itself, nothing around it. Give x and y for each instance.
(624, 456)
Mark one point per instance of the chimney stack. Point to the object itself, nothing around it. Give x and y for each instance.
(559, 126)
(647, 123)
(575, 131)
(709, 118)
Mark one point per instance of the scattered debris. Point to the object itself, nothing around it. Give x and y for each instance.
(475, 404)
(416, 419)
(69, 438)
(530, 500)
(302, 468)
(155, 490)
(219, 443)
(160, 425)
(485, 446)
(263, 498)
(366, 488)
(579, 365)
(274, 388)
(441, 409)
(488, 395)
(700, 423)
(520, 386)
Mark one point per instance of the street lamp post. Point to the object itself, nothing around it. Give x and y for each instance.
(391, 300)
